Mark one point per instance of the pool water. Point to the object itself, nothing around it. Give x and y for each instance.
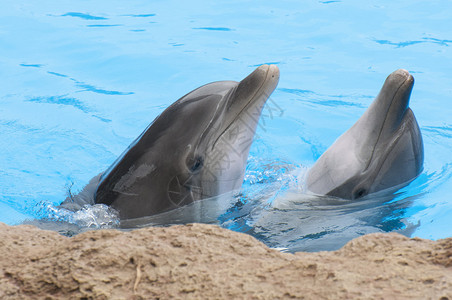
(80, 80)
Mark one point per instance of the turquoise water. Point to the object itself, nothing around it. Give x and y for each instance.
(80, 80)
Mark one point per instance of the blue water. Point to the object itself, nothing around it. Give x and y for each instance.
(80, 80)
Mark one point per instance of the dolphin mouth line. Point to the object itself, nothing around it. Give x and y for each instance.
(252, 100)
(384, 122)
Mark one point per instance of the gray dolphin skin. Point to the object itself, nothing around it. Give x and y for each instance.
(383, 150)
(196, 149)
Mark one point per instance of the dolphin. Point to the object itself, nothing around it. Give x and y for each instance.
(382, 151)
(195, 149)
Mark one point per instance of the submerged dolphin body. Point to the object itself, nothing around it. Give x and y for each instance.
(382, 150)
(197, 148)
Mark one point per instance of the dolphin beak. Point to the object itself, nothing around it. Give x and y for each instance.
(245, 102)
(262, 81)
(393, 101)
(386, 112)
(255, 88)
(385, 115)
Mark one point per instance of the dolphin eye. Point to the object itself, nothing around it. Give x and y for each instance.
(359, 193)
(196, 163)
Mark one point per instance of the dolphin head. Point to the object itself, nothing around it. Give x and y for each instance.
(382, 150)
(197, 148)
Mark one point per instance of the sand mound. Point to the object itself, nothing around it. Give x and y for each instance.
(204, 261)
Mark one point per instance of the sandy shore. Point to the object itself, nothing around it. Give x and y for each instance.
(207, 262)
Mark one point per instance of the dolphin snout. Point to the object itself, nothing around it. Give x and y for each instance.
(401, 72)
(402, 76)
(258, 85)
(273, 71)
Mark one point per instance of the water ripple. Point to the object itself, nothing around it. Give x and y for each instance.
(214, 28)
(410, 43)
(430, 181)
(398, 44)
(444, 131)
(331, 100)
(438, 41)
(80, 84)
(104, 25)
(83, 16)
(57, 74)
(141, 15)
(91, 88)
(267, 63)
(297, 92)
(31, 65)
(62, 100)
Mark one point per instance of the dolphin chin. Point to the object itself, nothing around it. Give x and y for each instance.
(383, 150)
(197, 148)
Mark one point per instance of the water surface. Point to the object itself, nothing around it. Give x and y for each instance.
(80, 80)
